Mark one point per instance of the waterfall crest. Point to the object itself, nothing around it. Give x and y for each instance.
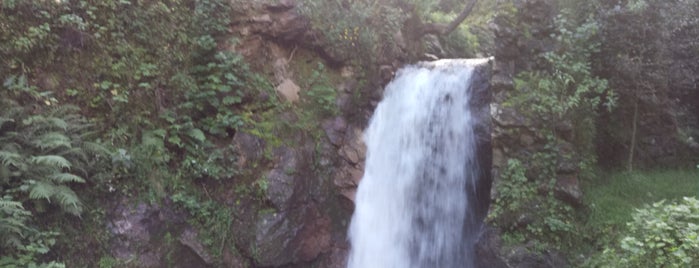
(414, 205)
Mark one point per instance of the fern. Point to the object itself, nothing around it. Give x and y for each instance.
(58, 123)
(66, 178)
(95, 148)
(10, 205)
(41, 155)
(10, 159)
(68, 200)
(52, 140)
(51, 160)
(75, 154)
(42, 190)
(197, 134)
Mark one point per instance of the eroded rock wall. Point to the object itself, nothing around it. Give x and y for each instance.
(522, 37)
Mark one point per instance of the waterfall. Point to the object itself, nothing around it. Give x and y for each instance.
(416, 204)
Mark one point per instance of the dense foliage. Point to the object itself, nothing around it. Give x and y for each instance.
(367, 33)
(604, 65)
(142, 99)
(661, 235)
(153, 79)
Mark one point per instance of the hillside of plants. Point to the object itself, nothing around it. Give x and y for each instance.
(108, 104)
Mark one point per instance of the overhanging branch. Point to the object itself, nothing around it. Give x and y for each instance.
(442, 29)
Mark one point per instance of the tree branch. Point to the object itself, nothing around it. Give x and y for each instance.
(441, 29)
(462, 16)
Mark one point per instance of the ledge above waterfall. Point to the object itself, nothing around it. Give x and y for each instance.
(456, 62)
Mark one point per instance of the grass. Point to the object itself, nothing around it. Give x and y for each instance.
(613, 197)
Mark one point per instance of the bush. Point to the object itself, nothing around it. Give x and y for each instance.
(661, 235)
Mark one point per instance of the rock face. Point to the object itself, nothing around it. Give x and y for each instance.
(154, 236)
(515, 135)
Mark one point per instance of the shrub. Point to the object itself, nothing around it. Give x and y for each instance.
(660, 235)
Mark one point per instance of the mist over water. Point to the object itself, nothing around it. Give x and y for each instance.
(414, 203)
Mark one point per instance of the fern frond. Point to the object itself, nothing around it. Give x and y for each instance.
(74, 154)
(9, 204)
(33, 120)
(66, 178)
(95, 148)
(51, 160)
(12, 225)
(57, 123)
(196, 134)
(64, 109)
(10, 138)
(52, 140)
(8, 158)
(152, 139)
(42, 190)
(68, 200)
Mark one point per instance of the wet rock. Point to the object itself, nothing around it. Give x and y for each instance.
(300, 235)
(337, 258)
(506, 117)
(281, 180)
(488, 250)
(315, 237)
(568, 160)
(249, 147)
(335, 130)
(523, 257)
(189, 238)
(564, 129)
(273, 238)
(354, 150)
(350, 154)
(568, 190)
(141, 234)
(346, 181)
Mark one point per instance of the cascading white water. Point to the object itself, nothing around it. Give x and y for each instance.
(413, 206)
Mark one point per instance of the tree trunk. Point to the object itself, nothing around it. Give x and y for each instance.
(634, 129)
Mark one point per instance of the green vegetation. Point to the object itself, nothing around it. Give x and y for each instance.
(613, 197)
(368, 32)
(620, 209)
(142, 99)
(661, 235)
(159, 95)
(526, 206)
(568, 89)
(43, 155)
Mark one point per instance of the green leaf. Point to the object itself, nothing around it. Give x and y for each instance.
(228, 100)
(197, 134)
(10, 204)
(66, 178)
(10, 158)
(68, 200)
(175, 140)
(51, 160)
(52, 140)
(95, 148)
(58, 122)
(42, 190)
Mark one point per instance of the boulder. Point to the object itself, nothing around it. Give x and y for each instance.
(288, 90)
(568, 189)
(141, 233)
